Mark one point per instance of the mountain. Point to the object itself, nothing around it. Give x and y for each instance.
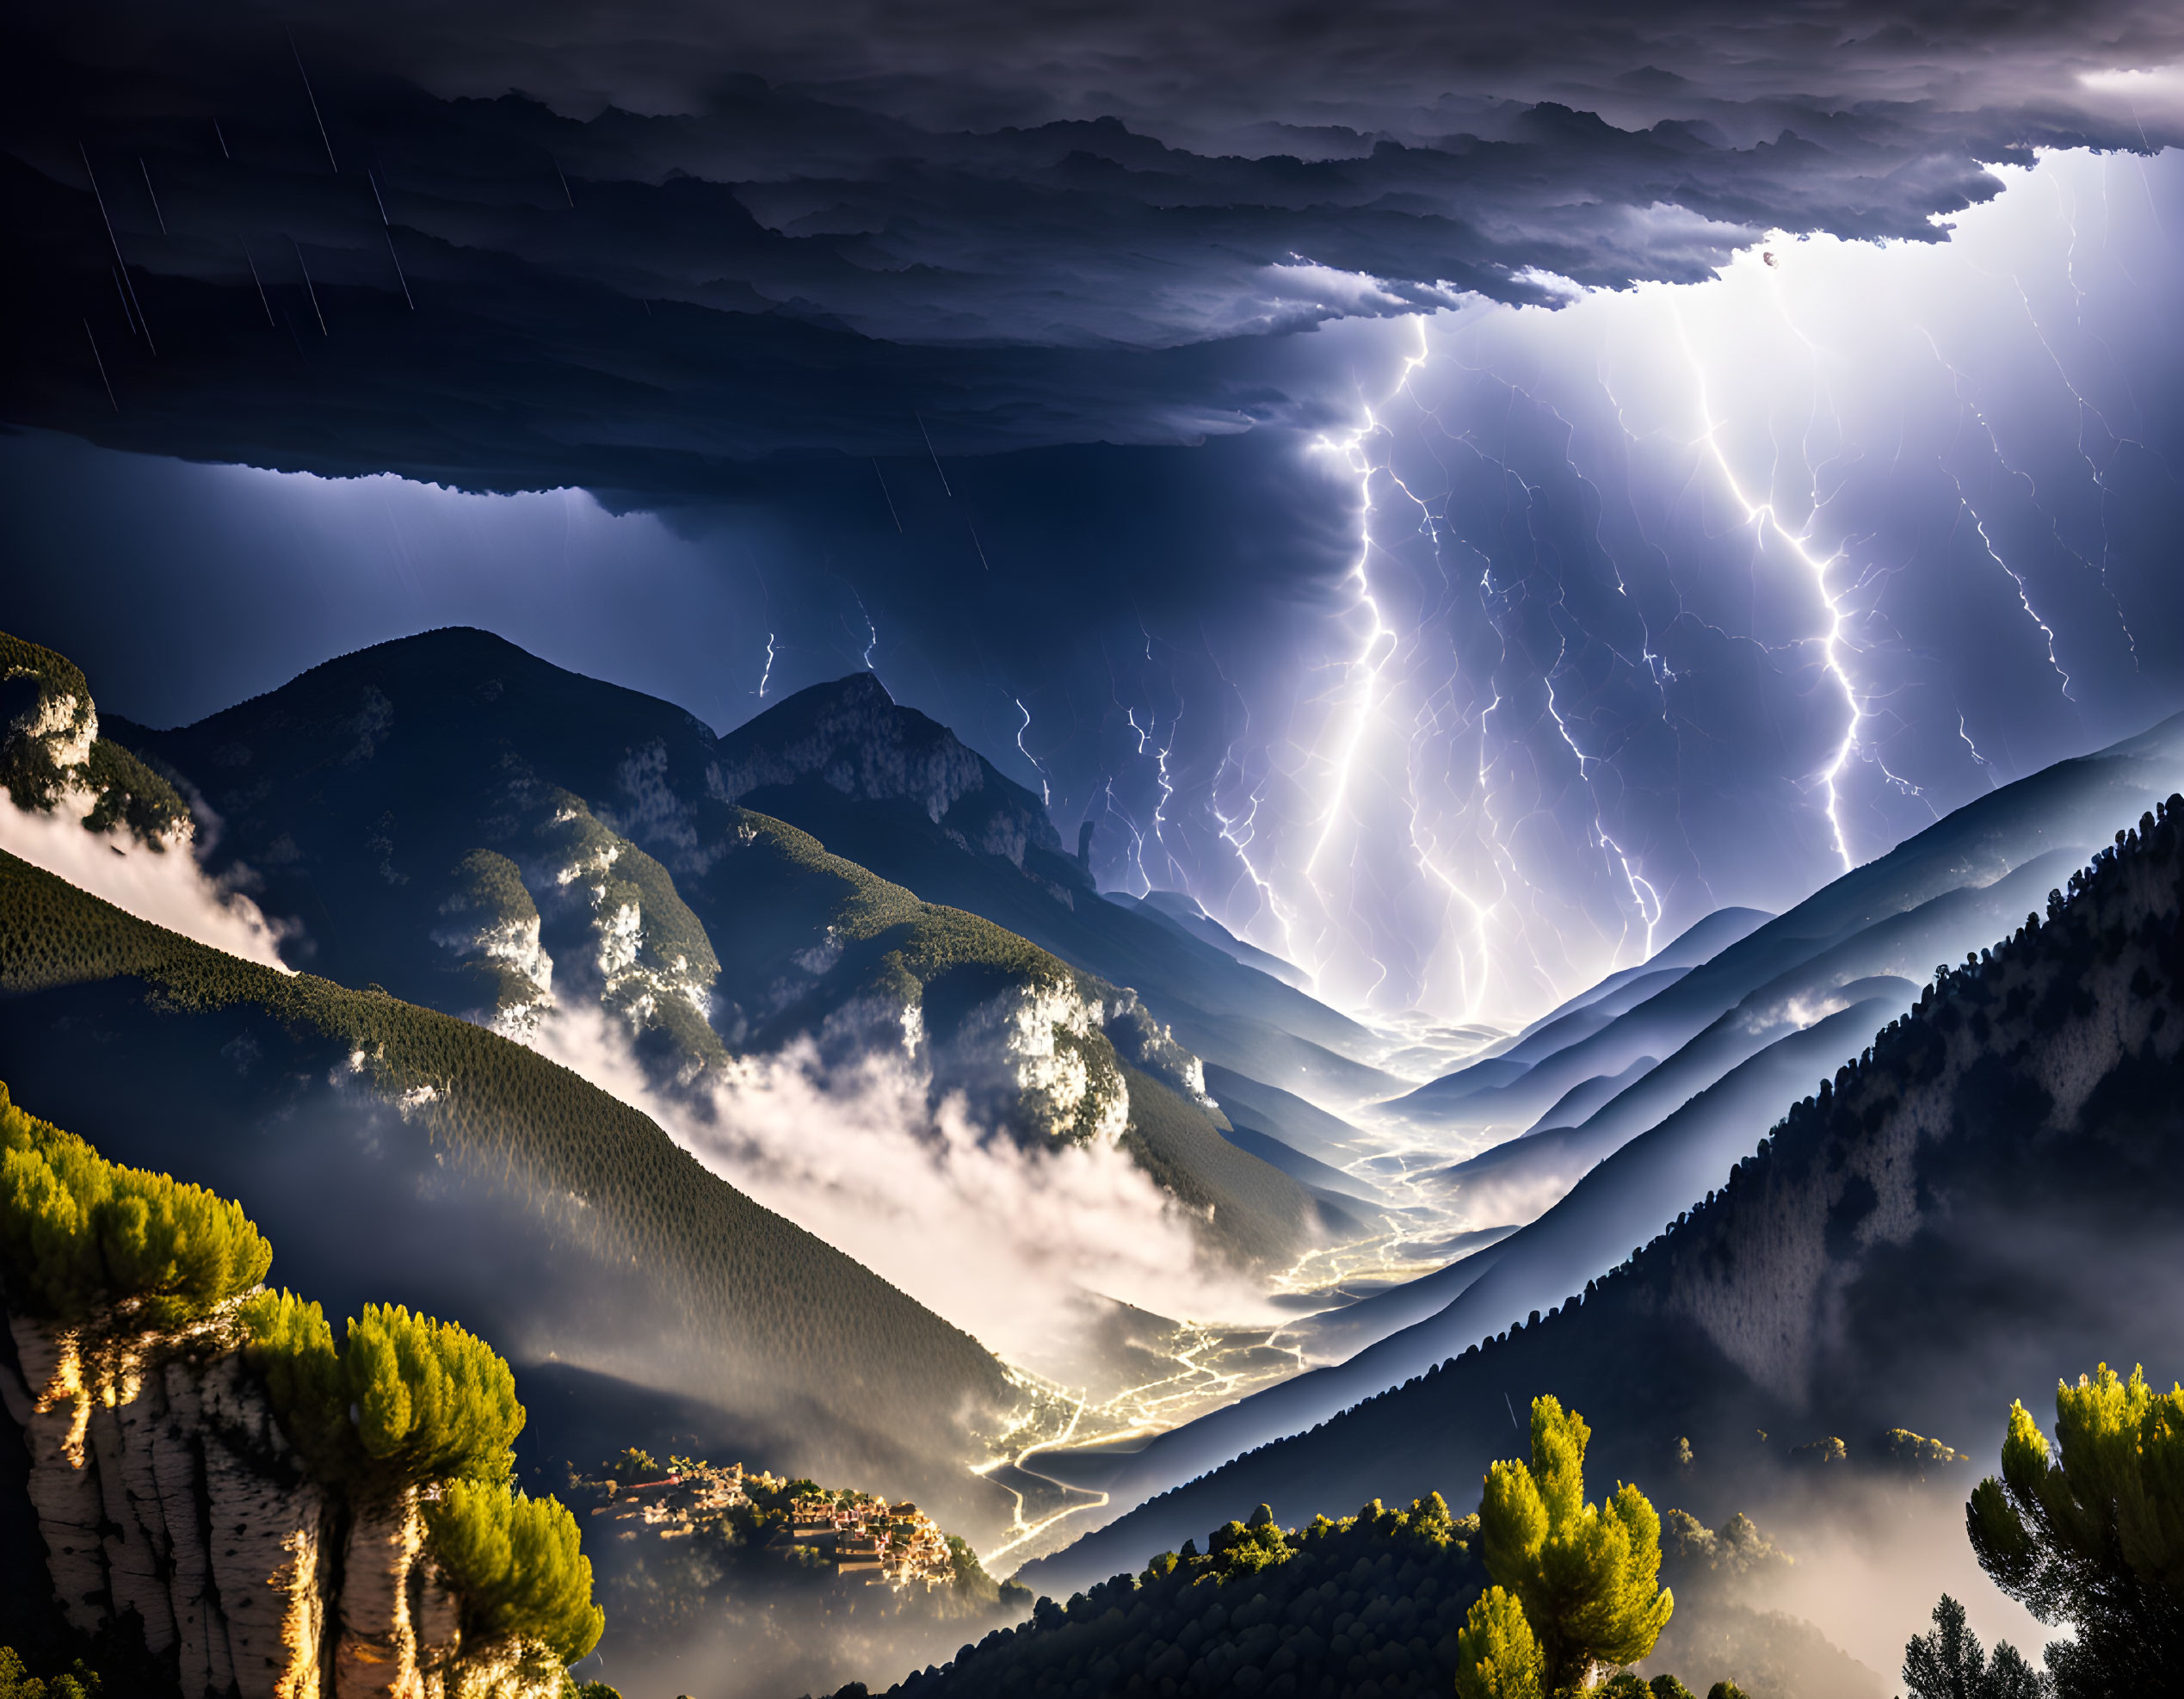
(399, 1154)
(484, 833)
(1969, 1210)
(944, 822)
(1954, 887)
(1624, 1177)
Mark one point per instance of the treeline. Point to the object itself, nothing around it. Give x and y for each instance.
(1377, 1596)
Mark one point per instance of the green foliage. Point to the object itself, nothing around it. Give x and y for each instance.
(80, 1681)
(1949, 1663)
(1497, 1656)
(128, 793)
(54, 694)
(1724, 1690)
(1668, 1687)
(491, 886)
(291, 1348)
(591, 1689)
(80, 1234)
(1379, 1596)
(633, 1465)
(516, 1563)
(405, 1400)
(2094, 1535)
(673, 949)
(1587, 1575)
(1704, 1555)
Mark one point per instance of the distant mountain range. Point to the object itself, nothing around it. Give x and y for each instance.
(1980, 1203)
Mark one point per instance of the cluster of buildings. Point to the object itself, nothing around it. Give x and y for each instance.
(682, 1501)
(891, 1545)
(865, 1536)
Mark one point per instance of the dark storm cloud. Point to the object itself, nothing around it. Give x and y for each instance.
(704, 236)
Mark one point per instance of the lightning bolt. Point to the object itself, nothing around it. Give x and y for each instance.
(1046, 793)
(767, 672)
(1762, 517)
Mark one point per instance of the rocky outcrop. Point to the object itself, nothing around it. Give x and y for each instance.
(53, 759)
(1036, 1054)
(163, 1486)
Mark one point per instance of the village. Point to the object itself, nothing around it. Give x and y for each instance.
(863, 1536)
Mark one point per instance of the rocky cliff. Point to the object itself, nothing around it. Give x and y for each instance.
(163, 1486)
(278, 1516)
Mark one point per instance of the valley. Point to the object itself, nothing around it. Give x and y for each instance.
(931, 1166)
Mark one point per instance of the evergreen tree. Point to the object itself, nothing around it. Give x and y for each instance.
(516, 1564)
(1497, 1656)
(2093, 1533)
(1587, 1576)
(79, 1234)
(1949, 1663)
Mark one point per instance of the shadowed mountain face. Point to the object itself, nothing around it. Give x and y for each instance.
(486, 834)
(1970, 1210)
(932, 816)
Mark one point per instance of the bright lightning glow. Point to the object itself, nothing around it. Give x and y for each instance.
(1762, 517)
(767, 672)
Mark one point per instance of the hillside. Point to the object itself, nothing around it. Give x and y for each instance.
(942, 821)
(401, 1151)
(488, 834)
(1963, 1212)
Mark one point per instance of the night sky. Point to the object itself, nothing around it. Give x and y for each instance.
(1462, 492)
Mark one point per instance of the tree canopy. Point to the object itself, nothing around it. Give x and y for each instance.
(2092, 1531)
(1949, 1663)
(516, 1563)
(80, 1234)
(406, 1399)
(1585, 1578)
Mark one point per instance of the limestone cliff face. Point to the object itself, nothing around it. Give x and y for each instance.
(163, 1486)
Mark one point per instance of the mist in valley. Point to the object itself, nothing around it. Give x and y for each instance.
(1027, 1250)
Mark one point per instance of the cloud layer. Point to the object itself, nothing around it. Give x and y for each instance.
(701, 238)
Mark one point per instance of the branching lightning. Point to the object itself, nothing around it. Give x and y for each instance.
(1764, 518)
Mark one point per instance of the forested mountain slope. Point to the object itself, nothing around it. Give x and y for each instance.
(1987, 1195)
(938, 819)
(488, 835)
(401, 1154)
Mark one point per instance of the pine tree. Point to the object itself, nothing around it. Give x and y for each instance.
(1497, 1656)
(1587, 1576)
(2095, 1535)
